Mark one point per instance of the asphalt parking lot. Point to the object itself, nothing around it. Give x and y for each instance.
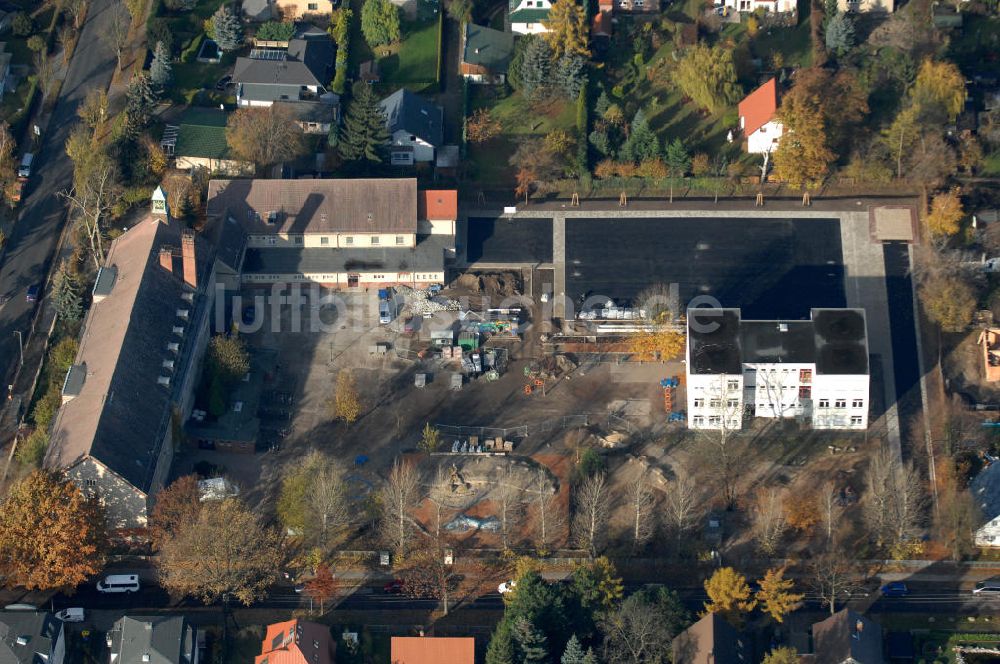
(775, 268)
(498, 240)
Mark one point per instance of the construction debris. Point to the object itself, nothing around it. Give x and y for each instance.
(422, 303)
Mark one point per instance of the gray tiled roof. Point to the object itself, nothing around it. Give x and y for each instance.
(847, 635)
(40, 629)
(120, 416)
(164, 639)
(308, 62)
(317, 206)
(412, 113)
(488, 48)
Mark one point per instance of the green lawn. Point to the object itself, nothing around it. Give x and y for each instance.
(13, 101)
(192, 77)
(413, 64)
(991, 165)
(793, 43)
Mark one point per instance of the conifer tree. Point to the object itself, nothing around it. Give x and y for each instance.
(365, 134)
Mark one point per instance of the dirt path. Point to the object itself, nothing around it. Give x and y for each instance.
(450, 97)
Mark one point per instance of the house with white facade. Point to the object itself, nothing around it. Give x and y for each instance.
(416, 127)
(526, 16)
(299, 72)
(815, 371)
(134, 372)
(985, 489)
(345, 233)
(759, 121)
(766, 5)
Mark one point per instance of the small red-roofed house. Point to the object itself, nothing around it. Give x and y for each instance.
(759, 119)
(433, 650)
(297, 642)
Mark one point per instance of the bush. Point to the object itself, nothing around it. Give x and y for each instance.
(31, 450)
(591, 463)
(190, 51)
(158, 30)
(22, 25)
(276, 31)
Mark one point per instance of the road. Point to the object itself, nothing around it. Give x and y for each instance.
(32, 243)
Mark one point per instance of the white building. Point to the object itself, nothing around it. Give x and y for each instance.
(416, 127)
(766, 5)
(985, 488)
(815, 370)
(526, 16)
(759, 119)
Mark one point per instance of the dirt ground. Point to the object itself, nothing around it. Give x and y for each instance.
(588, 402)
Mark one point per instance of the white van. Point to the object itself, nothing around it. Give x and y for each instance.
(24, 171)
(119, 583)
(990, 586)
(385, 311)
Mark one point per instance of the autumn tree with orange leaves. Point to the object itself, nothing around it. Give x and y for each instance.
(323, 586)
(481, 127)
(51, 535)
(176, 506)
(656, 345)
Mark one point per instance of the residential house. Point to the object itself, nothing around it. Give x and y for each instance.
(296, 10)
(416, 127)
(847, 637)
(298, 73)
(711, 640)
(432, 650)
(153, 640)
(139, 353)
(985, 489)
(526, 16)
(759, 121)
(814, 370)
(297, 642)
(257, 10)
(486, 54)
(5, 58)
(779, 6)
(199, 141)
(866, 5)
(31, 637)
(314, 117)
(339, 232)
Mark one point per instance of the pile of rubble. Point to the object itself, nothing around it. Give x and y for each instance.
(421, 302)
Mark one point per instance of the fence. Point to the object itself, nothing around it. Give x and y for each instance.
(525, 430)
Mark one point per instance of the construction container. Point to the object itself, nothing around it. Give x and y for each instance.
(468, 340)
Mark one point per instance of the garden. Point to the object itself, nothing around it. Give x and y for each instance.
(407, 52)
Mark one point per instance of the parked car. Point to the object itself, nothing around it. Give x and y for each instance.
(71, 615)
(895, 589)
(119, 583)
(394, 587)
(990, 586)
(24, 170)
(224, 83)
(32, 293)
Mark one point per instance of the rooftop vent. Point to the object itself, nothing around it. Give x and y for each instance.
(782, 327)
(371, 217)
(163, 380)
(22, 640)
(168, 364)
(272, 217)
(73, 383)
(173, 347)
(105, 281)
(145, 657)
(188, 297)
(183, 313)
(179, 330)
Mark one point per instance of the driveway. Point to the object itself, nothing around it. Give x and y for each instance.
(33, 241)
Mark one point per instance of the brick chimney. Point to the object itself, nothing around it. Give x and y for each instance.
(167, 258)
(188, 259)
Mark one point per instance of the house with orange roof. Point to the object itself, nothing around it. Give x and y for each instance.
(601, 25)
(297, 642)
(433, 650)
(759, 119)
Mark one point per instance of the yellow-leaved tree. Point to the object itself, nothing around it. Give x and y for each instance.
(346, 402)
(939, 91)
(729, 595)
(566, 29)
(659, 345)
(803, 156)
(775, 595)
(945, 215)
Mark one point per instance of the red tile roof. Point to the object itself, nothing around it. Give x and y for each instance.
(759, 107)
(433, 650)
(297, 642)
(438, 204)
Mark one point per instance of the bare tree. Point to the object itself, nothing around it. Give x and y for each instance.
(441, 478)
(75, 9)
(548, 517)
(719, 442)
(45, 75)
(681, 505)
(830, 510)
(591, 515)
(772, 384)
(399, 496)
(642, 502)
(895, 501)
(768, 518)
(327, 498)
(635, 633)
(118, 28)
(506, 497)
(834, 578)
(92, 200)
